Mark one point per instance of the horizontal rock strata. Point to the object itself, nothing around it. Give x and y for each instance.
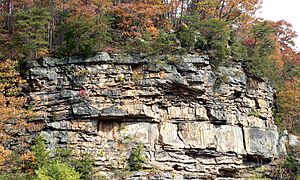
(195, 121)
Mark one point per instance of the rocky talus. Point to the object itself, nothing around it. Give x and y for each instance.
(193, 120)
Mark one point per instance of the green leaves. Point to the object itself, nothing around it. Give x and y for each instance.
(31, 31)
(263, 34)
(186, 37)
(217, 33)
(40, 153)
(267, 68)
(137, 158)
(86, 35)
(64, 166)
(56, 170)
(164, 43)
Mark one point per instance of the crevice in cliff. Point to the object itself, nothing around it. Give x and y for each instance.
(204, 153)
(235, 95)
(179, 134)
(256, 159)
(244, 136)
(47, 128)
(160, 137)
(227, 172)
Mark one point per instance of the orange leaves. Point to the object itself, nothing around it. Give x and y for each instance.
(3, 155)
(13, 116)
(27, 156)
(284, 51)
(11, 109)
(87, 8)
(81, 8)
(227, 9)
(11, 102)
(152, 31)
(23, 3)
(9, 161)
(7, 68)
(289, 97)
(10, 79)
(138, 16)
(208, 9)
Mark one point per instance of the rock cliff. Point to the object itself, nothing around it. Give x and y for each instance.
(192, 120)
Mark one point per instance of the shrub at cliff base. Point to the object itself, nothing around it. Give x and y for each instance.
(56, 170)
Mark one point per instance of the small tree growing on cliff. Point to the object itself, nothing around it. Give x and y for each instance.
(136, 158)
(186, 36)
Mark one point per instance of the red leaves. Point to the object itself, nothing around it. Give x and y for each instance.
(249, 42)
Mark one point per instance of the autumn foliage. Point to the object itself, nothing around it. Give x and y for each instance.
(16, 126)
(136, 17)
(289, 102)
(223, 29)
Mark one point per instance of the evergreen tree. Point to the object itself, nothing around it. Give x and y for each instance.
(31, 31)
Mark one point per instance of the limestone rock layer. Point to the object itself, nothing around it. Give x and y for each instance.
(194, 120)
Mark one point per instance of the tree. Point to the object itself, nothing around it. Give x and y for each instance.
(31, 31)
(286, 53)
(186, 36)
(133, 18)
(261, 39)
(16, 126)
(85, 27)
(289, 104)
(14, 116)
(57, 170)
(229, 10)
(285, 33)
(217, 34)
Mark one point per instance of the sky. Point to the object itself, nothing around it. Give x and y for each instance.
(283, 9)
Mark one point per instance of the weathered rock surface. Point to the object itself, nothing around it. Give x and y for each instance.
(194, 122)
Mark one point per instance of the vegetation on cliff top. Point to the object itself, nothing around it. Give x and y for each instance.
(222, 28)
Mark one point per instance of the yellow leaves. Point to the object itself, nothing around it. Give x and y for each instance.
(10, 108)
(3, 155)
(277, 55)
(14, 118)
(289, 102)
(27, 156)
(9, 78)
(291, 95)
(209, 7)
(42, 52)
(13, 115)
(7, 68)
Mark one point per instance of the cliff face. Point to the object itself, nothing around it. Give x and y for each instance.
(192, 122)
